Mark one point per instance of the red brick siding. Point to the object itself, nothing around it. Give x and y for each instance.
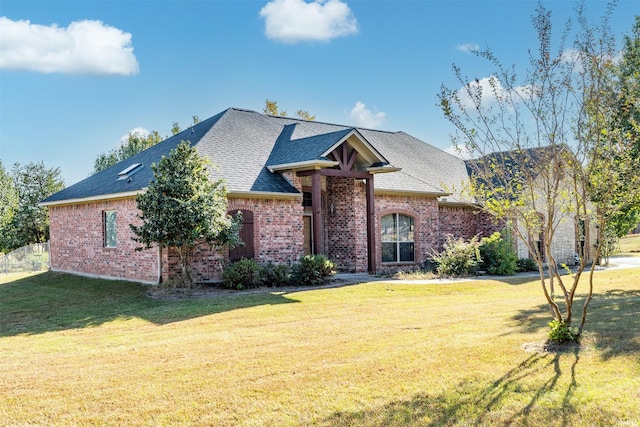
(465, 222)
(77, 242)
(424, 211)
(277, 228)
(77, 233)
(346, 224)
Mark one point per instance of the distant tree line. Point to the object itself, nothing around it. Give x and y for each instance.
(22, 221)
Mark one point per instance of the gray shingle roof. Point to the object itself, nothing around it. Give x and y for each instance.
(288, 150)
(241, 143)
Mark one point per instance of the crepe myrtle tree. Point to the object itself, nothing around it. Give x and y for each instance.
(539, 145)
(182, 208)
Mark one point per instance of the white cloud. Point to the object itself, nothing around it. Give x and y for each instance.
(459, 151)
(491, 90)
(575, 58)
(84, 47)
(292, 21)
(140, 131)
(363, 117)
(468, 47)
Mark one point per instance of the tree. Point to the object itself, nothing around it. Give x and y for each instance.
(610, 133)
(271, 108)
(621, 126)
(8, 206)
(540, 150)
(182, 208)
(30, 223)
(134, 144)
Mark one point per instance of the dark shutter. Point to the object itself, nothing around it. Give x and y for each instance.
(246, 235)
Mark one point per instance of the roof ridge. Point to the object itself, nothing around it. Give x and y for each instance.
(302, 122)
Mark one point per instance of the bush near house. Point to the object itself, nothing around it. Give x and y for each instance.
(493, 254)
(275, 275)
(243, 274)
(497, 255)
(526, 264)
(310, 270)
(458, 257)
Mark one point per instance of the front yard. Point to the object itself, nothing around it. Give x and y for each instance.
(76, 351)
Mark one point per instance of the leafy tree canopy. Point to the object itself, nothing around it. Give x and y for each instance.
(29, 223)
(182, 208)
(134, 143)
(271, 108)
(8, 204)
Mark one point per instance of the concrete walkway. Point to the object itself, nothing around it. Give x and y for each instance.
(615, 263)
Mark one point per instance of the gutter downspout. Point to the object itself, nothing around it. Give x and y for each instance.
(159, 265)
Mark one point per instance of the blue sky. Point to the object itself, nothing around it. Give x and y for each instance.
(77, 76)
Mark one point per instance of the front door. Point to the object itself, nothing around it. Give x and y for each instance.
(307, 245)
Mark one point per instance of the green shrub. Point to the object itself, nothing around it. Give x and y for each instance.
(527, 264)
(275, 275)
(312, 270)
(561, 332)
(498, 256)
(243, 274)
(458, 257)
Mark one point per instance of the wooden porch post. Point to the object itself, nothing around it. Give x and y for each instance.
(371, 226)
(316, 203)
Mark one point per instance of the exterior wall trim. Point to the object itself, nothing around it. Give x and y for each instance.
(92, 199)
(388, 192)
(310, 164)
(262, 195)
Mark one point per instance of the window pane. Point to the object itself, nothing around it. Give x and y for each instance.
(389, 252)
(389, 228)
(406, 251)
(110, 229)
(405, 228)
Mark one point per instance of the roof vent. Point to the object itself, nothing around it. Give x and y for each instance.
(128, 172)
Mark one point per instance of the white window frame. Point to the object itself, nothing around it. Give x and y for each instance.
(398, 241)
(110, 228)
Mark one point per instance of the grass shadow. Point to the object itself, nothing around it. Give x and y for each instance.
(56, 301)
(613, 321)
(512, 399)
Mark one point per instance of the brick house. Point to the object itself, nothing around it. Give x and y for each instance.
(572, 236)
(367, 199)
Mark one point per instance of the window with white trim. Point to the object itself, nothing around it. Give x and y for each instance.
(109, 229)
(397, 238)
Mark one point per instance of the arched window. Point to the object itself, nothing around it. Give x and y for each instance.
(246, 235)
(397, 238)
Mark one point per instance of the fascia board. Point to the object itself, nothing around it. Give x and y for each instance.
(309, 164)
(90, 199)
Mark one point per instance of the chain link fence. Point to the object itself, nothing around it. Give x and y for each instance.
(28, 258)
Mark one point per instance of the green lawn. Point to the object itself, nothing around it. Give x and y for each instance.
(630, 245)
(76, 351)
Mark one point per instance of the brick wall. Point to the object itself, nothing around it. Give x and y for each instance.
(345, 224)
(465, 222)
(77, 242)
(277, 228)
(424, 211)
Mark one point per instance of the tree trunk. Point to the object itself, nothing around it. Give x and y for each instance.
(185, 265)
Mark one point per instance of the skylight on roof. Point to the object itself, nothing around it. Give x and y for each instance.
(126, 173)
